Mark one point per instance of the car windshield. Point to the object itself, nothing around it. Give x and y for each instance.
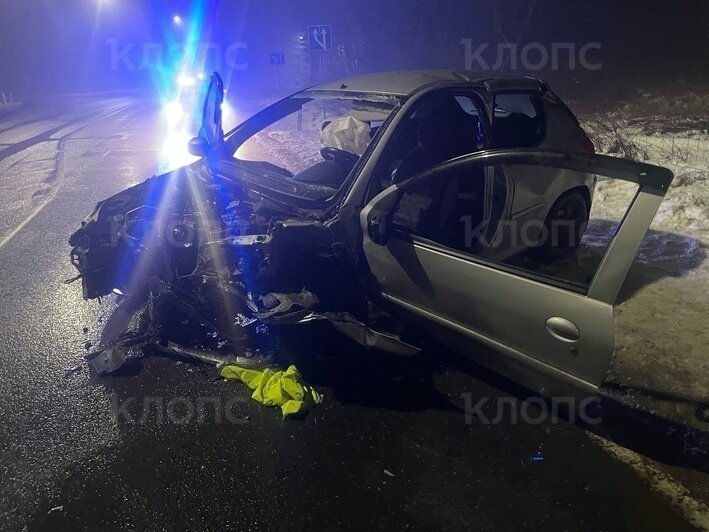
(288, 138)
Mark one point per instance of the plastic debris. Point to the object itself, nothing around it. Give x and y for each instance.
(70, 371)
(108, 360)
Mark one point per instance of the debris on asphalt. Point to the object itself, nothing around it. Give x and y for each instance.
(56, 509)
(537, 457)
(107, 360)
(388, 473)
(72, 370)
(247, 359)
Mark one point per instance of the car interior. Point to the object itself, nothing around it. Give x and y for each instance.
(451, 209)
(518, 121)
(439, 130)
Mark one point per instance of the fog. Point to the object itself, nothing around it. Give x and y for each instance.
(599, 46)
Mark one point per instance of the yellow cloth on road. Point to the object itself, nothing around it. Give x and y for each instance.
(281, 388)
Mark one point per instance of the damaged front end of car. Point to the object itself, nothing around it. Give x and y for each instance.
(205, 266)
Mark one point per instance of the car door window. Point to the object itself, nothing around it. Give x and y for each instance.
(518, 120)
(445, 210)
(442, 126)
(543, 224)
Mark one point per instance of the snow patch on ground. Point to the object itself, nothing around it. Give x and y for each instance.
(661, 333)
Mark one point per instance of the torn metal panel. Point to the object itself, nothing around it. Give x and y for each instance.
(248, 359)
(350, 327)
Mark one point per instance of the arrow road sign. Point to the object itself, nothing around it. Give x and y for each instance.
(320, 38)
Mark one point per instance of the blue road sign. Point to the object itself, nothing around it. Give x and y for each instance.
(278, 59)
(320, 38)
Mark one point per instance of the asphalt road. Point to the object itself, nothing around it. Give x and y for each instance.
(388, 449)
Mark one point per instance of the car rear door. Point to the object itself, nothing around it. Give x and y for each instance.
(542, 328)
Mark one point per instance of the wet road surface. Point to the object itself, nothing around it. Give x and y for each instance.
(388, 449)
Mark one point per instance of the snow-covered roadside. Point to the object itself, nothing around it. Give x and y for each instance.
(661, 320)
(7, 108)
(686, 206)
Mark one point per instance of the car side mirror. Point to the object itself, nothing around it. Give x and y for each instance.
(379, 228)
(198, 147)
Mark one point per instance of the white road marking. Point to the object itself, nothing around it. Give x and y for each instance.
(694, 511)
(59, 168)
(58, 171)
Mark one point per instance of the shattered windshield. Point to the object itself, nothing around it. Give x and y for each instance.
(289, 137)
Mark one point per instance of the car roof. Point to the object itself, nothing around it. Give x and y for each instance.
(403, 83)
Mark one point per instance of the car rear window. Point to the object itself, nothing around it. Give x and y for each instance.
(518, 120)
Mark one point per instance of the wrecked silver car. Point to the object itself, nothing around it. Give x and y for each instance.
(464, 203)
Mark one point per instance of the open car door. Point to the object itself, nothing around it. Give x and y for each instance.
(211, 134)
(548, 321)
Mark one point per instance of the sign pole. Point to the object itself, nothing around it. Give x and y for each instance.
(319, 42)
(322, 75)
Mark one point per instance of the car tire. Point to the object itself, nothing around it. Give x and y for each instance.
(566, 222)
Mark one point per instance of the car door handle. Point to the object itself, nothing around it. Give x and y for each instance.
(563, 329)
